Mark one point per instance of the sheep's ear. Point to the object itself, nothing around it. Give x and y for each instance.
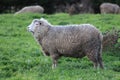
(42, 19)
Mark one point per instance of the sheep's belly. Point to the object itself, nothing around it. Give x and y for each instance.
(71, 52)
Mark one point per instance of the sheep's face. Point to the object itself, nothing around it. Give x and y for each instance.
(34, 25)
(38, 25)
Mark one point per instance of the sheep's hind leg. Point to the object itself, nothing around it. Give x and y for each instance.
(93, 59)
(95, 62)
(100, 62)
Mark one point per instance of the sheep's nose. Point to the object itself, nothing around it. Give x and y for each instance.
(28, 28)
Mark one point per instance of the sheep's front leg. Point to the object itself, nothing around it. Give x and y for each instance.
(54, 64)
(54, 60)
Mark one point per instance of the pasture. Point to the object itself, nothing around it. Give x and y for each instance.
(21, 57)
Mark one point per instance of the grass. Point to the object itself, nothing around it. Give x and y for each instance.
(21, 57)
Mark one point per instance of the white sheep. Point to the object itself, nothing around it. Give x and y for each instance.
(68, 40)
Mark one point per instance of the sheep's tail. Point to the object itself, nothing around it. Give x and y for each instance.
(99, 46)
(101, 41)
(99, 55)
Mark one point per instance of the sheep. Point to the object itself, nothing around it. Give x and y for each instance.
(68, 40)
(31, 9)
(109, 8)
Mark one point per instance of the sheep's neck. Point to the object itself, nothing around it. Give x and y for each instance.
(39, 36)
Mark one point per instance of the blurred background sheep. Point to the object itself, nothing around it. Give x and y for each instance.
(109, 8)
(69, 41)
(56, 6)
(31, 9)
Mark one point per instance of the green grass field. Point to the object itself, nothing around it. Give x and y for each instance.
(21, 57)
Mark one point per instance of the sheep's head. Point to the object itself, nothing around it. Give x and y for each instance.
(39, 25)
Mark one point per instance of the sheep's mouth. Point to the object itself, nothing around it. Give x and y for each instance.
(31, 31)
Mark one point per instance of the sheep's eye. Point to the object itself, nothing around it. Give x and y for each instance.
(40, 23)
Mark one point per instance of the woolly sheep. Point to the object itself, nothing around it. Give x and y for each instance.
(109, 8)
(31, 9)
(68, 40)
